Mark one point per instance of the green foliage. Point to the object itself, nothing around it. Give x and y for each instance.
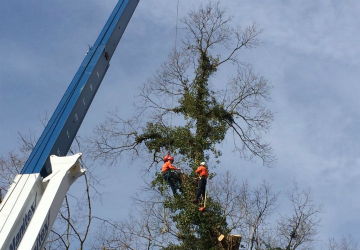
(207, 122)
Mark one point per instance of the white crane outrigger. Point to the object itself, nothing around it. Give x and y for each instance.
(30, 206)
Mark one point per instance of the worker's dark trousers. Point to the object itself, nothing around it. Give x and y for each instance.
(173, 179)
(201, 187)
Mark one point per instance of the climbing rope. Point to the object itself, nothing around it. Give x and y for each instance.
(205, 199)
(169, 141)
(177, 18)
(175, 48)
(164, 214)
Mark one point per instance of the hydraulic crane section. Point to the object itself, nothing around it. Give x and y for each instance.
(33, 200)
(66, 120)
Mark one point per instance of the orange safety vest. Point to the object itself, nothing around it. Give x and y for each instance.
(167, 166)
(202, 171)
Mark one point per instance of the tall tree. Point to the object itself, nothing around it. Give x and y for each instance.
(187, 89)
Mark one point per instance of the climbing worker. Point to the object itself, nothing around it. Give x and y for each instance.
(171, 177)
(203, 175)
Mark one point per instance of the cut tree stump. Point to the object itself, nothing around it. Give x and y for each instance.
(230, 242)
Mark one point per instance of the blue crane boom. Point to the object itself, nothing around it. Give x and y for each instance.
(32, 202)
(69, 114)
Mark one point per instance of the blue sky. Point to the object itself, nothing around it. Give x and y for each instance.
(309, 52)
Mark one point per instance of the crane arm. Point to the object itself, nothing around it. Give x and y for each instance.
(70, 112)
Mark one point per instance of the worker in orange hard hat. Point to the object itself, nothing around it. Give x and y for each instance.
(169, 175)
(203, 175)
